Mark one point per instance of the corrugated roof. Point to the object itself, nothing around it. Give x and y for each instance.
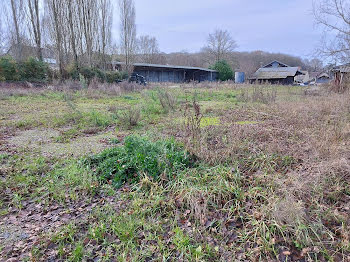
(168, 66)
(276, 73)
(342, 68)
(275, 61)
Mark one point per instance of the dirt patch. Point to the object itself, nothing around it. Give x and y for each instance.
(43, 140)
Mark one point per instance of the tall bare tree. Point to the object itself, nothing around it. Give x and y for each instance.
(2, 35)
(56, 14)
(219, 45)
(17, 15)
(88, 20)
(105, 23)
(334, 17)
(148, 49)
(73, 29)
(128, 31)
(33, 14)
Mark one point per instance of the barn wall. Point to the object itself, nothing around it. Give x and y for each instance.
(323, 80)
(276, 81)
(175, 75)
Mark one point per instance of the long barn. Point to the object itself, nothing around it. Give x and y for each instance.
(169, 73)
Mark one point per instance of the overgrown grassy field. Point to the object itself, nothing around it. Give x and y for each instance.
(209, 172)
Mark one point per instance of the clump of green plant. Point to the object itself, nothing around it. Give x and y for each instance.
(138, 157)
(66, 135)
(113, 77)
(8, 69)
(33, 70)
(83, 81)
(98, 119)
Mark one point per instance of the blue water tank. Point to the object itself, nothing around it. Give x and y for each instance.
(239, 77)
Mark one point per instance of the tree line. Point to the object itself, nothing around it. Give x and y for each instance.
(76, 33)
(79, 34)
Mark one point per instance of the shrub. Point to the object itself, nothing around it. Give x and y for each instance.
(124, 75)
(113, 77)
(139, 156)
(72, 72)
(167, 100)
(101, 75)
(224, 69)
(83, 82)
(88, 73)
(8, 69)
(34, 70)
(130, 117)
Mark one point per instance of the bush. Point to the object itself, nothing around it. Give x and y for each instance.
(139, 156)
(30, 70)
(101, 75)
(113, 77)
(88, 73)
(72, 72)
(124, 75)
(130, 117)
(224, 69)
(34, 70)
(8, 69)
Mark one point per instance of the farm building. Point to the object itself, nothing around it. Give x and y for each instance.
(305, 77)
(322, 78)
(341, 74)
(169, 73)
(313, 78)
(275, 73)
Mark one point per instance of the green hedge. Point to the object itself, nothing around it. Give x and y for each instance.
(8, 69)
(89, 73)
(33, 70)
(37, 71)
(29, 70)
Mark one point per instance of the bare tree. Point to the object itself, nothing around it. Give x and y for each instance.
(314, 64)
(334, 17)
(219, 45)
(105, 23)
(148, 49)
(33, 14)
(55, 9)
(128, 31)
(2, 35)
(73, 29)
(88, 20)
(17, 15)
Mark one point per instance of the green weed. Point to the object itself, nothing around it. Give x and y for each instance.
(139, 156)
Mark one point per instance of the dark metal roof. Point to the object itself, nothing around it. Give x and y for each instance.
(167, 66)
(276, 73)
(275, 61)
(342, 68)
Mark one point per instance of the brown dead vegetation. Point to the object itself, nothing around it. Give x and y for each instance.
(301, 149)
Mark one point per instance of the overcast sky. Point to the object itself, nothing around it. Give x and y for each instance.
(285, 26)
